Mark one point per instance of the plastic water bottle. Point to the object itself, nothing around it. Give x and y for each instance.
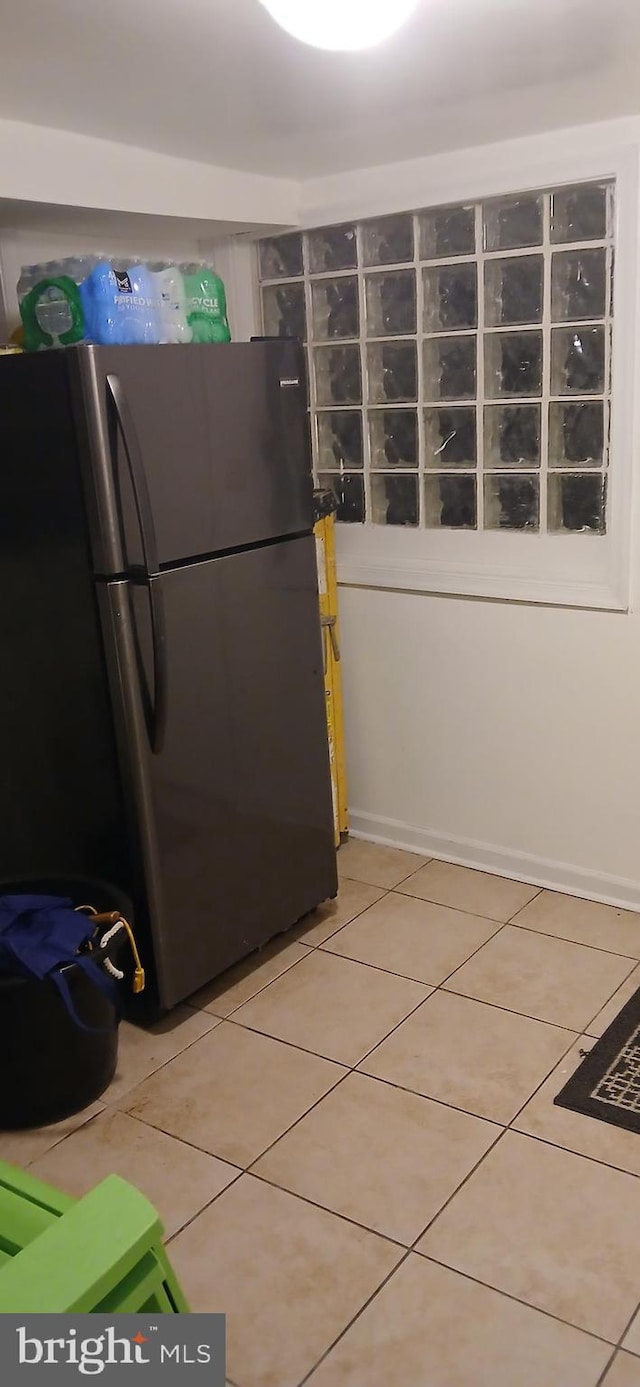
(173, 302)
(121, 304)
(29, 275)
(78, 267)
(206, 304)
(51, 309)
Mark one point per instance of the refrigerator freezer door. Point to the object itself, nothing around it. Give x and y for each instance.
(191, 451)
(234, 811)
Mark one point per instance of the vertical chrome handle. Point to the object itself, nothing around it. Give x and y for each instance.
(124, 423)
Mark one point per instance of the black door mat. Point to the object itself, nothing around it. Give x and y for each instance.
(607, 1084)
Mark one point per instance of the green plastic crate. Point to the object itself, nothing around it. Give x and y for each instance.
(101, 1254)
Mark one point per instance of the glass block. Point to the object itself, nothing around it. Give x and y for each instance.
(512, 222)
(511, 503)
(283, 311)
(394, 500)
(579, 214)
(513, 290)
(391, 303)
(450, 298)
(340, 439)
(393, 437)
(512, 436)
(576, 434)
(332, 248)
(393, 372)
(577, 361)
(447, 232)
(349, 494)
(335, 308)
(338, 375)
(577, 504)
(513, 363)
(281, 256)
(450, 368)
(450, 437)
(450, 502)
(388, 241)
(578, 284)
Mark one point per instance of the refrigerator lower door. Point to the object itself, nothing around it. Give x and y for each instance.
(232, 816)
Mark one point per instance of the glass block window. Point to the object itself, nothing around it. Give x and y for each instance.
(459, 360)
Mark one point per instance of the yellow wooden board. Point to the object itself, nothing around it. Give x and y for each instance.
(328, 591)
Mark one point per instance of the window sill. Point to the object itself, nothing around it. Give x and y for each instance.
(559, 570)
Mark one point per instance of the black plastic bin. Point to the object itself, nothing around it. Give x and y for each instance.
(50, 1067)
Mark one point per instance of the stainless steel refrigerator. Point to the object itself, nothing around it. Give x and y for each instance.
(162, 720)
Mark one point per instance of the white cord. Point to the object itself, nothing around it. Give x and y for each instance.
(106, 962)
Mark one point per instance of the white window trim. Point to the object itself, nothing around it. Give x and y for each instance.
(569, 570)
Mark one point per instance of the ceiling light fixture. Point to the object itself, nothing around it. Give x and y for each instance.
(340, 24)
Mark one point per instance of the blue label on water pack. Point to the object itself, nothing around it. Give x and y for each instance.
(122, 305)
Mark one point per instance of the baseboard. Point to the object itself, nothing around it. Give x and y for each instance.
(520, 866)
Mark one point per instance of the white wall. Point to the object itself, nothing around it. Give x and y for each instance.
(55, 166)
(501, 735)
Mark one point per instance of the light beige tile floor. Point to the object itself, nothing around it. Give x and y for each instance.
(353, 1143)
(377, 866)
(625, 1372)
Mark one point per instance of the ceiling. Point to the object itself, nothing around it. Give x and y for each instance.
(216, 80)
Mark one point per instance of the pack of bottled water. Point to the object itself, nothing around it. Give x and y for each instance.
(93, 299)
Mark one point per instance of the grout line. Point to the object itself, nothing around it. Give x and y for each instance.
(607, 1367)
(457, 1190)
(192, 1218)
(310, 949)
(579, 943)
(205, 1207)
(344, 1063)
(354, 1318)
(498, 1007)
(618, 1348)
(428, 901)
(425, 900)
(11, 1132)
(539, 892)
(610, 998)
(441, 1102)
(626, 1330)
(375, 885)
(333, 1213)
(569, 1151)
(577, 1036)
(408, 977)
(250, 1168)
(375, 1078)
(537, 1309)
(455, 1271)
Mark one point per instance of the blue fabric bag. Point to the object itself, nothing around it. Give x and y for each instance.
(39, 935)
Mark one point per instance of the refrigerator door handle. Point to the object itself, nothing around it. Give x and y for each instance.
(124, 422)
(160, 666)
(153, 702)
